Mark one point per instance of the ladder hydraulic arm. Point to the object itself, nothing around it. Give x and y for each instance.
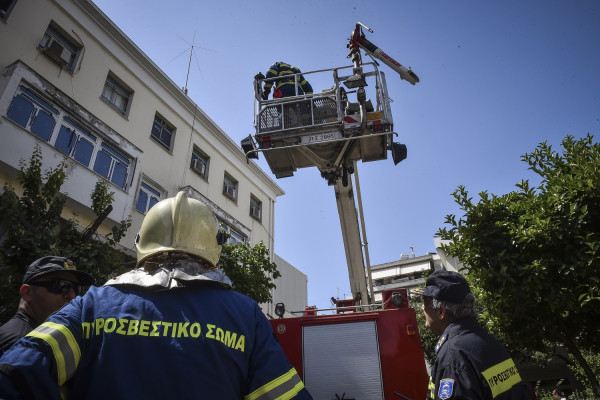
(353, 244)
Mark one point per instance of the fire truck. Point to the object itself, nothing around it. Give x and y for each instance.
(362, 350)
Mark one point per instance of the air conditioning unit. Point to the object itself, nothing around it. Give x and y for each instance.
(255, 212)
(229, 190)
(57, 52)
(199, 167)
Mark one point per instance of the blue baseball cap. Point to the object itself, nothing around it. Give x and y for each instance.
(45, 265)
(443, 285)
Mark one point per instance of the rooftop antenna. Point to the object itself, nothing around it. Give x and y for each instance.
(191, 50)
(185, 89)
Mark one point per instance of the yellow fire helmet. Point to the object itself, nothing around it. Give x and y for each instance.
(180, 224)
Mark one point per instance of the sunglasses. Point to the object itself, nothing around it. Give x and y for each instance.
(59, 286)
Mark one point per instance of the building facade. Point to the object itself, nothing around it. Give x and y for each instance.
(405, 273)
(75, 85)
(408, 271)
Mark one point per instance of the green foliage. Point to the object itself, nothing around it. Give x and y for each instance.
(33, 228)
(30, 220)
(593, 359)
(586, 394)
(533, 254)
(250, 270)
(102, 199)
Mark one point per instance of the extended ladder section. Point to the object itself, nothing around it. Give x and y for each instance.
(353, 243)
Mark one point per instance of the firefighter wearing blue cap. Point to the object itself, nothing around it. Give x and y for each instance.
(170, 329)
(49, 283)
(470, 363)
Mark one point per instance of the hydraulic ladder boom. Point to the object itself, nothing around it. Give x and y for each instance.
(346, 205)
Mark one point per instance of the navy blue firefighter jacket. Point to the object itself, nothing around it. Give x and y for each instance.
(130, 342)
(287, 83)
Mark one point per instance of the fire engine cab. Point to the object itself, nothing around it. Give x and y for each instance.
(363, 350)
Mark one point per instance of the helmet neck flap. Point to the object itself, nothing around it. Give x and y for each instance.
(173, 272)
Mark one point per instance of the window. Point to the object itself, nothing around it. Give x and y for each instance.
(6, 7)
(112, 165)
(75, 141)
(230, 187)
(200, 163)
(32, 113)
(162, 132)
(234, 236)
(70, 137)
(60, 48)
(255, 208)
(147, 197)
(116, 94)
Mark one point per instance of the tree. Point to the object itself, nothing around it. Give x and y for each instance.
(32, 227)
(534, 254)
(29, 221)
(94, 252)
(250, 270)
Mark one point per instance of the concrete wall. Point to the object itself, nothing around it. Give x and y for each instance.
(291, 287)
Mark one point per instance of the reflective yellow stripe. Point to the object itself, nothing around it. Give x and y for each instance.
(64, 347)
(60, 360)
(292, 392)
(501, 377)
(431, 388)
(70, 339)
(282, 388)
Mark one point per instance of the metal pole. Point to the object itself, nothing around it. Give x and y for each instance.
(185, 90)
(364, 233)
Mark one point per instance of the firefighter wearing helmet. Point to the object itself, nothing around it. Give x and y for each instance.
(174, 317)
(180, 225)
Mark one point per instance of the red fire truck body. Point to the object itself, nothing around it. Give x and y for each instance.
(357, 355)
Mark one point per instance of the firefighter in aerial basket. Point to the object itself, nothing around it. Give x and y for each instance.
(288, 85)
(470, 363)
(172, 328)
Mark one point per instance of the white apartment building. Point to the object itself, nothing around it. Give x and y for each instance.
(405, 273)
(74, 83)
(450, 263)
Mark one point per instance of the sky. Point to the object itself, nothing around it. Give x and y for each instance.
(496, 79)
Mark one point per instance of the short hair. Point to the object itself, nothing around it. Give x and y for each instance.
(456, 311)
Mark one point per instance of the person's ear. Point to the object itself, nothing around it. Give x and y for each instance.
(442, 312)
(25, 292)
